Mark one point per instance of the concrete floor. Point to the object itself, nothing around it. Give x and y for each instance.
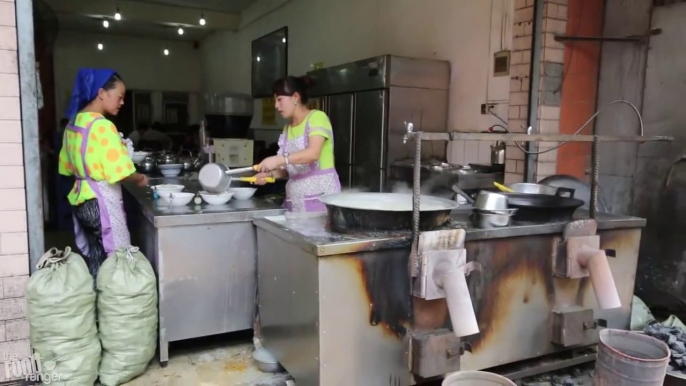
(214, 361)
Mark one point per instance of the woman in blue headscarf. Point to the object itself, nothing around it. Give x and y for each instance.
(94, 153)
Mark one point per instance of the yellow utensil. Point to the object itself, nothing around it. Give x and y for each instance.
(254, 179)
(503, 188)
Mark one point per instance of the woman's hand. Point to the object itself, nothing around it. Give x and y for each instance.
(143, 181)
(260, 178)
(271, 163)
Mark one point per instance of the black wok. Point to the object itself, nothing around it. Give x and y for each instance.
(542, 207)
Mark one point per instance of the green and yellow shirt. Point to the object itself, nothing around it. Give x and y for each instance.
(106, 156)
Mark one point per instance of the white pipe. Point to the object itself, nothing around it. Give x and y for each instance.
(452, 280)
(601, 277)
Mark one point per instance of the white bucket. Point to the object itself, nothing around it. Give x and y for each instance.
(476, 378)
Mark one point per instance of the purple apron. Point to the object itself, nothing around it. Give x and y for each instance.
(115, 234)
(306, 182)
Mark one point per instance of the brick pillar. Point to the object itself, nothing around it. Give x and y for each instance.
(14, 258)
(551, 58)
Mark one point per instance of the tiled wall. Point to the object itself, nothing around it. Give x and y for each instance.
(14, 259)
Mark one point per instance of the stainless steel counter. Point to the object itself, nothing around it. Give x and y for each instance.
(335, 309)
(313, 237)
(204, 257)
(164, 216)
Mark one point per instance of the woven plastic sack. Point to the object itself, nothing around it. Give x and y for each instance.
(640, 314)
(61, 311)
(127, 315)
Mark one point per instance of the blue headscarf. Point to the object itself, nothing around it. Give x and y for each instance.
(88, 82)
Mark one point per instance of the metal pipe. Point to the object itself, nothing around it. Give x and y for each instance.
(416, 191)
(29, 125)
(535, 76)
(594, 177)
(458, 136)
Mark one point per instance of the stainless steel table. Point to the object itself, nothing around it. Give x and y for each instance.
(204, 257)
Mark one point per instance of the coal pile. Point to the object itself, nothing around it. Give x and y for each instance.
(675, 339)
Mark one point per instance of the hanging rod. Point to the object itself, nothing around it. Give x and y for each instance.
(632, 38)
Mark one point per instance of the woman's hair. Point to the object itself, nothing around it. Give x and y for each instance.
(290, 85)
(112, 81)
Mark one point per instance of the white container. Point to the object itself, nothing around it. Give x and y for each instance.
(216, 199)
(169, 188)
(176, 199)
(476, 378)
(138, 156)
(242, 193)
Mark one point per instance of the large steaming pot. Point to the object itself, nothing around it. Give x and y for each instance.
(357, 212)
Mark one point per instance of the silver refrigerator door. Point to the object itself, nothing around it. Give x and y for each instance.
(369, 140)
(341, 110)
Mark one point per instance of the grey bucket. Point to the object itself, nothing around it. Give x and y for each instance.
(628, 358)
(476, 378)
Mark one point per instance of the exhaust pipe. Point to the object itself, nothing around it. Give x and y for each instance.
(595, 261)
(452, 280)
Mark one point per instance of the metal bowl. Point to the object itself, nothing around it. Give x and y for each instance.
(488, 220)
(265, 361)
(490, 201)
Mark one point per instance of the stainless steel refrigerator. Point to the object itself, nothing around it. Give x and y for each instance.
(368, 102)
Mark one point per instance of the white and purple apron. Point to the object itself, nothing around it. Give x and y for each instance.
(306, 182)
(115, 233)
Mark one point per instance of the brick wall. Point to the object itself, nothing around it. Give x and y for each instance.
(551, 59)
(567, 87)
(14, 259)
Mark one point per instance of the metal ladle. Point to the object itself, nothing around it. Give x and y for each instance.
(216, 177)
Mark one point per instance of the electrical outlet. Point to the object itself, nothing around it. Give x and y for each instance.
(486, 108)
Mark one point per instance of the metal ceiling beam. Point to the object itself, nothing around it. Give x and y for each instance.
(147, 13)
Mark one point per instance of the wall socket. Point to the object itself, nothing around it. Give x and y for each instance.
(486, 108)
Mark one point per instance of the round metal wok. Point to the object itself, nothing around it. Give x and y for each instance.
(355, 212)
(542, 207)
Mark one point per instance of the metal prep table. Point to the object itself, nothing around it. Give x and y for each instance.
(204, 257)
(335, 309)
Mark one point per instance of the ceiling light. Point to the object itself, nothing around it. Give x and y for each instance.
(180, 31)
(258, 58)
(202, 19)
(100, 46)
(117, 16)
(106, 24)
(283, 40)
(166, 52)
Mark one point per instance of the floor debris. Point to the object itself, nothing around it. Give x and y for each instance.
(581, 375)
(224, 360)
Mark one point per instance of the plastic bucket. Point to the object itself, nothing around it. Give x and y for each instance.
(628, 358)
(476, 378)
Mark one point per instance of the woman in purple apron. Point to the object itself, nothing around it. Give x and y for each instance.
(93, 152)
(305, 153)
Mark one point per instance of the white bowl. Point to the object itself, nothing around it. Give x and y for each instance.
(171, 172)
(138, 156)
(242, 193)
(170, 166)
(216, 199)
(177, 199)
(167, 188)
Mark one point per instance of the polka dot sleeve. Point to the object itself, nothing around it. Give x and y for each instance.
(112, 155)
(65, 167)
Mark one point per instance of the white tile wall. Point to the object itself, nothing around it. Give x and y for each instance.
(14, 259)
